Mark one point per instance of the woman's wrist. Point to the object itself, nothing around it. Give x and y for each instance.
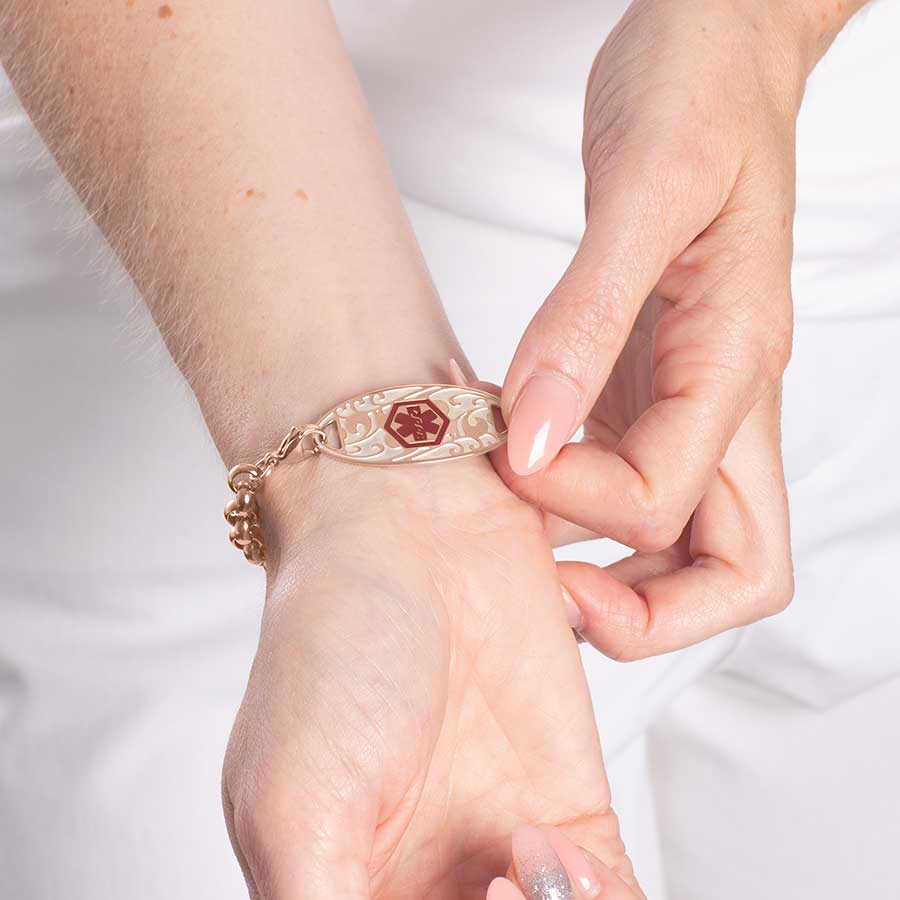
(300, 491)
(322, 361)
(314, 502)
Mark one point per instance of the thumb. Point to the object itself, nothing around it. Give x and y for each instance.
(568, 350)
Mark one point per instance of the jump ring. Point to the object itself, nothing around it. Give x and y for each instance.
(247, 469)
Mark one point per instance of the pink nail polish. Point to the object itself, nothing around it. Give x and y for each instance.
(538, 868)
(543, 419)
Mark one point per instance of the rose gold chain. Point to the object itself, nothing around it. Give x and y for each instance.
(246, 479)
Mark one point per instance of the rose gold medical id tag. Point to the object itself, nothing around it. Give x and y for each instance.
(413, 424)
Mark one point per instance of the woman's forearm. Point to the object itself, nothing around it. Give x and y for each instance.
(228, 155)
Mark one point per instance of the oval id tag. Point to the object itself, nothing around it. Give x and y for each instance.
(413, 424)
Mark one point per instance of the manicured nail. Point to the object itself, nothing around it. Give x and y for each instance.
(456, 374)
(543, 419)
(583, 868)
(574, 615)
(538, 868)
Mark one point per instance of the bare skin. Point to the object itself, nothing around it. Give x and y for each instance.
(394, 729)
(231, 161)
(672, 326)
(417, 691)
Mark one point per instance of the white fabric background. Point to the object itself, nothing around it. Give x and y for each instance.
(762, 763)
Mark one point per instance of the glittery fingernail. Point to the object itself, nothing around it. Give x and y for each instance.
(538, 868)
(585, 871)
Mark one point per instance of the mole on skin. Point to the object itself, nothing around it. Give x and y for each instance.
(165, 11)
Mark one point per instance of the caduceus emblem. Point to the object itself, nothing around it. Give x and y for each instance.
(416, 423)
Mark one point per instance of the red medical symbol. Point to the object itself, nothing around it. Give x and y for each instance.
(416, 423)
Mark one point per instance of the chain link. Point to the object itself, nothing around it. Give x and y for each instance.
(246, 479)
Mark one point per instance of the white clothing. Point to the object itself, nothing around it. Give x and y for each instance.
(124, 648)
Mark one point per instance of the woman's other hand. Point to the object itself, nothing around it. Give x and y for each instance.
(689, 158)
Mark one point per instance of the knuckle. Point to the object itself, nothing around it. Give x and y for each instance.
(255, 800)
(657, 526)
(774, 344)
(778, 352)
(782, 595)
(264, 819)
(654, 538)
(774, 591)
(252, 820)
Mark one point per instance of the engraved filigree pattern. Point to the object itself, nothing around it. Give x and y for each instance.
(474, 426)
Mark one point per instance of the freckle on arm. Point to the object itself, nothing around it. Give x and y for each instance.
(165, 11)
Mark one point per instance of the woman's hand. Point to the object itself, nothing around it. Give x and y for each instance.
(689, 155)
(730, 566)
(416, 694)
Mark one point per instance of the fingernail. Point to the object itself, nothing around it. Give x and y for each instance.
(543, 419)
(573, 611)
(583, 868)
(538, 868)
(456, 374)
